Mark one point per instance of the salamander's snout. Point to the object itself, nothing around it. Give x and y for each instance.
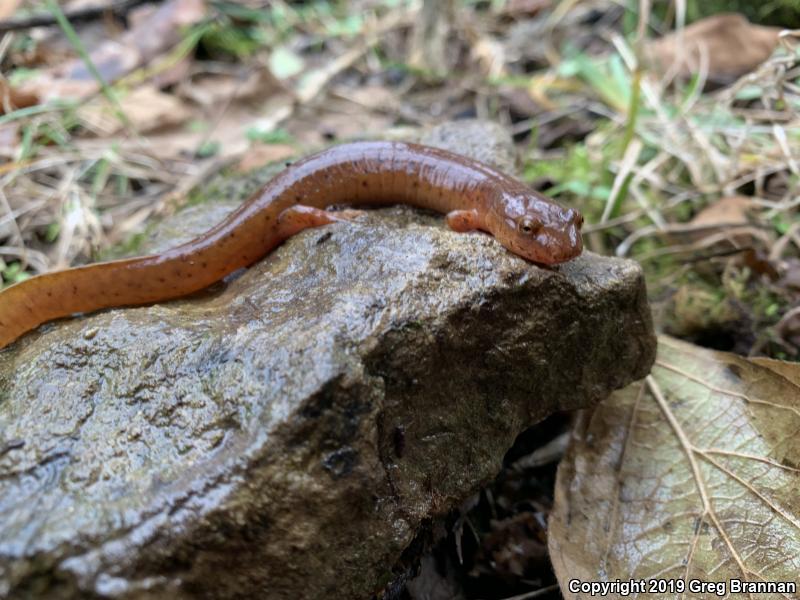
(537, 228)
(566, 243)
(575, 218)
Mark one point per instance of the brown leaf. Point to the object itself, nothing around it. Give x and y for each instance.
(226, 132)
(260, 155)
(527, 8)
(9, 137)
(341, 121)
(370, 96)
(691, 474)
(731, 210)
(7, 8)
(731, 45)
(783, 368)
(730, 215)
(150, 37)
(14, 99)
(145, 107)
(215, 89)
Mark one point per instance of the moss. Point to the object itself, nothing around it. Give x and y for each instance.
(129, 247)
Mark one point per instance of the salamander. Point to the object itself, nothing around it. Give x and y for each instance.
(474, 196)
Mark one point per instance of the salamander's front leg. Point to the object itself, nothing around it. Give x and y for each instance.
(463, 220)
(299, 217)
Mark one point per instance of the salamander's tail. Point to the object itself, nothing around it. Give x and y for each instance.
(30, 303)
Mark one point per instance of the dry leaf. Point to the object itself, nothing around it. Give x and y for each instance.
(342, 120)
(14, 99)
(690, 475)
(9, 137)
(225, 135)
(525, 8)
(731, 210)
(146, 108)
(153, 35)
(728, 43)
(784, 368)
(371, 96)
(730, 214)
(216, 89)
(260, 155)
(7, 8)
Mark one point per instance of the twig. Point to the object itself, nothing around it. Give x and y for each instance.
(724, 229)
(87, 13)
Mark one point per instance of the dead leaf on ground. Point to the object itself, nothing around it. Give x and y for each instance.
(730, 210)
(223, 136)
(731, 214)
(786, 369)
(341, 120)
(215, 89)
(689, 474)
(260, 155)
(146, 108)
(7, 8)
(373, 97)
(150, 37)
(727, 43)
(9, 136)
(13, 99)
(209, 115)
(525, 8)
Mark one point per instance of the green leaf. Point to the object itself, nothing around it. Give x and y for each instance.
(750, 92)
(284, 63)
(13, 273)
(274, 136)
(52, 231)
(347, 27)
(21, 75)
(208, 148)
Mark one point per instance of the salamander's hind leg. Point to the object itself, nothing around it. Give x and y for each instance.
(463, 220)
(299, 217)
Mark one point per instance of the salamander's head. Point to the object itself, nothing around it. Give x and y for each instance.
(535, 227)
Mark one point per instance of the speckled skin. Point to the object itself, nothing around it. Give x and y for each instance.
(472, 194)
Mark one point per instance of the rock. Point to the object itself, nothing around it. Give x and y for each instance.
(290, 433)
(482, 140)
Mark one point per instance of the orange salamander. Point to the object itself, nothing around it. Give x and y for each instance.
(473, 195)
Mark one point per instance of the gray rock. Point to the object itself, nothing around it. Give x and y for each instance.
(287, 434)
(482, 140)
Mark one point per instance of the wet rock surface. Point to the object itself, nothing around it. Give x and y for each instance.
(288, 433)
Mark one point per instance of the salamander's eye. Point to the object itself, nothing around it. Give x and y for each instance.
(529, 226)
